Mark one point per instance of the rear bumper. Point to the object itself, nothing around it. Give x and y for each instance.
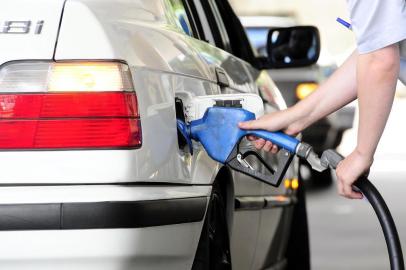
(101, 227)
(101, 215)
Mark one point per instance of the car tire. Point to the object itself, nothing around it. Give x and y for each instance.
(213, 251)
(298, 249)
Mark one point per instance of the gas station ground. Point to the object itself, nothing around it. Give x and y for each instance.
(345, 234)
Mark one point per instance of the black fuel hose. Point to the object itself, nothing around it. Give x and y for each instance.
(331, 158)
(385, 218)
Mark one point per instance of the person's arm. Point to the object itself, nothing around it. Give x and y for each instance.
(377, 74)
(335, 92)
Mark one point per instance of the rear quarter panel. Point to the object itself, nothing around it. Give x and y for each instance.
(163, 61)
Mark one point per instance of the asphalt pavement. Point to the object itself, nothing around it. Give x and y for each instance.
(345, 234)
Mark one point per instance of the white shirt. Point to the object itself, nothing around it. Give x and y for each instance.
(377, 23)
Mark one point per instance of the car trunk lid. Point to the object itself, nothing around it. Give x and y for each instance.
(29, 29)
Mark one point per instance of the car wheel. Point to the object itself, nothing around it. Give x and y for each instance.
(213, 251)
(298, 250)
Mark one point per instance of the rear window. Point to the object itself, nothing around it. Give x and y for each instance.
(182, 20)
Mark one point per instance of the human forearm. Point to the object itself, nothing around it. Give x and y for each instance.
(337, 91)
(377, 76)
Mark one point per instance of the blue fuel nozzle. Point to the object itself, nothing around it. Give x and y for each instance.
(218, 132)
(220, 136)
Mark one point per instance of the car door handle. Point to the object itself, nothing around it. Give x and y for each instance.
(222, 79)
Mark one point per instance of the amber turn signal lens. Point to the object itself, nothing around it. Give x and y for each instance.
(295, 183)
(287, 183)
(305, 89)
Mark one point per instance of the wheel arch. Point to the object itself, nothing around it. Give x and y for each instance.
(225, 181)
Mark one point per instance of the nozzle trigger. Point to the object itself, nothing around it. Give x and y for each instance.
(244, 162)
(236, 161)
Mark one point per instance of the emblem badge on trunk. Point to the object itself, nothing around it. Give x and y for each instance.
(21, 27)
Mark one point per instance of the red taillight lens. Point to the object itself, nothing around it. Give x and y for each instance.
(73, 120)
(68, 105)
(78, 133)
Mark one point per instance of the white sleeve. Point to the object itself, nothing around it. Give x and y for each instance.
(377, 23)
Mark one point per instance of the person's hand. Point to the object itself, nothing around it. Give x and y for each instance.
(349, 170)
(280, 120)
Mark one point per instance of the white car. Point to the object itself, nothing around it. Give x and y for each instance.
(93, 173)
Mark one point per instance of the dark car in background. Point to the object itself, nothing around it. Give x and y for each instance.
(297, 83)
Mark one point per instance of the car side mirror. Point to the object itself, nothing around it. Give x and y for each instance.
(293, 46)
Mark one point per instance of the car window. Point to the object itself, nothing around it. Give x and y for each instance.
(195, 20)
(225, 30)
(182, 18)
(220, 24)
(216, 24)
(238, 40)
(201, 22)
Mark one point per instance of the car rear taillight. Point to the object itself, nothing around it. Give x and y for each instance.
(76, 105)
